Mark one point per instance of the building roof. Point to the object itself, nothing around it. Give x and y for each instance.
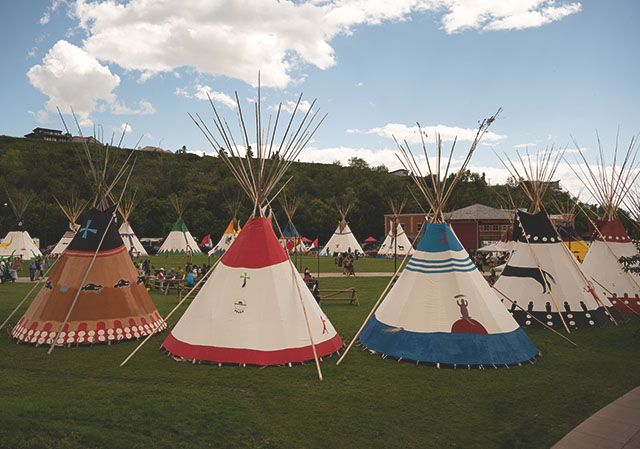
(479, 212)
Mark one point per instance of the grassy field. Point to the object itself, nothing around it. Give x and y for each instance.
(79, 397)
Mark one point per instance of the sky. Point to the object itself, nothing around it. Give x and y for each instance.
(560, 70)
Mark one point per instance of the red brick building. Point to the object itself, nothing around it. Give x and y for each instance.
(476, 225)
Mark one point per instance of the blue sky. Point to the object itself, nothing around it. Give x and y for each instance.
(558, 69)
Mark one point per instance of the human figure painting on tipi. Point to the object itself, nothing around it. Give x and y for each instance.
(93, 294)
(610, 185)
(542, 274)
(441, 310)
(255, 308)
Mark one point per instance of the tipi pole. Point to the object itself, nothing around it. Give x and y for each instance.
(535, 258)
(171, 313)
(28, 294)
(296, 275)
(532, 316)
(375, 306)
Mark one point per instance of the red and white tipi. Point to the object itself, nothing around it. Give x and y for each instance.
(610, 186)
(255, 308)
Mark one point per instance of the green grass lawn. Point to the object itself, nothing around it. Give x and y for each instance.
(80, 398)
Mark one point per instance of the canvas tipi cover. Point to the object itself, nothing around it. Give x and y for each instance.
(342, 241)
(403, 243)
(601, 264)
(19, 244)
(179, 241)
(63, 243)
(131, 240)
(441, 310)
(113, 303)
(249, 311)
(545, 279)
(229, 236)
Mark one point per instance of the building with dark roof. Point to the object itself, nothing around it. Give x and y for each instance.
(52, 135)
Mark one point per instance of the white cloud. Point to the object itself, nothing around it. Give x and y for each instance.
(70, 77)
(411, 133)
(238, 38)
(203, 92)
(124, 127)
(146, 108)
(525, 145)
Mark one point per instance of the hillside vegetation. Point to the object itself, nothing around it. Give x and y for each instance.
(53, 168)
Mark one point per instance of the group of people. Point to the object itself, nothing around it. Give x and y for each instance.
(312, 284)
(8, 271)
(345, 260)
(190, 274)
(37, 266)
(490, 259)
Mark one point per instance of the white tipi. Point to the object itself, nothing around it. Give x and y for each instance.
(232, 231)
(18, 243)
(542, 276)
(72, 210)
(131, 241)
(609, 186)
(396, 242)
(441, 310)
(255, 307)
(342, 240)
(179, 241)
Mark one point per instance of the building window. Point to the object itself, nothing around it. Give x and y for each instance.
(504, 227)
(485, 227)
(419, 226)
(495, 228)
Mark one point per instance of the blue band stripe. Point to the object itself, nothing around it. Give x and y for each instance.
(451, 259)
(436, 271)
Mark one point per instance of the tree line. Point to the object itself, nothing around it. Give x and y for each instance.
(51, 169)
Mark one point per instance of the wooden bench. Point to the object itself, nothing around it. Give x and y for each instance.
(346, 294)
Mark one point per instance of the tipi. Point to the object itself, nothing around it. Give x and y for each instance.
(131, 241)
(396, 241)
(179, 241)
(342, 240)
(255, 308)
(72, 210)
(609, 186)
(94, 294)
(232, 231)
(291, 240)
(18, 243)
(542, 275)
(441, 310)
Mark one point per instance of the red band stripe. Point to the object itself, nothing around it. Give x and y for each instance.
(111, 252)
(250, 356)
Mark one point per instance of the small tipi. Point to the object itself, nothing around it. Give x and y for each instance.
(18, 243)
(131, 241)
(542, 276)
(441, 310)
(179, 241)
(396, 241)
(255, 308)
(609, 186)
(342, 240)
(291, 240)
(94, 294)
(72, 210)
(232, 231)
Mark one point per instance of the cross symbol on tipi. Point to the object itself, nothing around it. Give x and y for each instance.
(87, 229)
(244, 277)
(444, 237)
